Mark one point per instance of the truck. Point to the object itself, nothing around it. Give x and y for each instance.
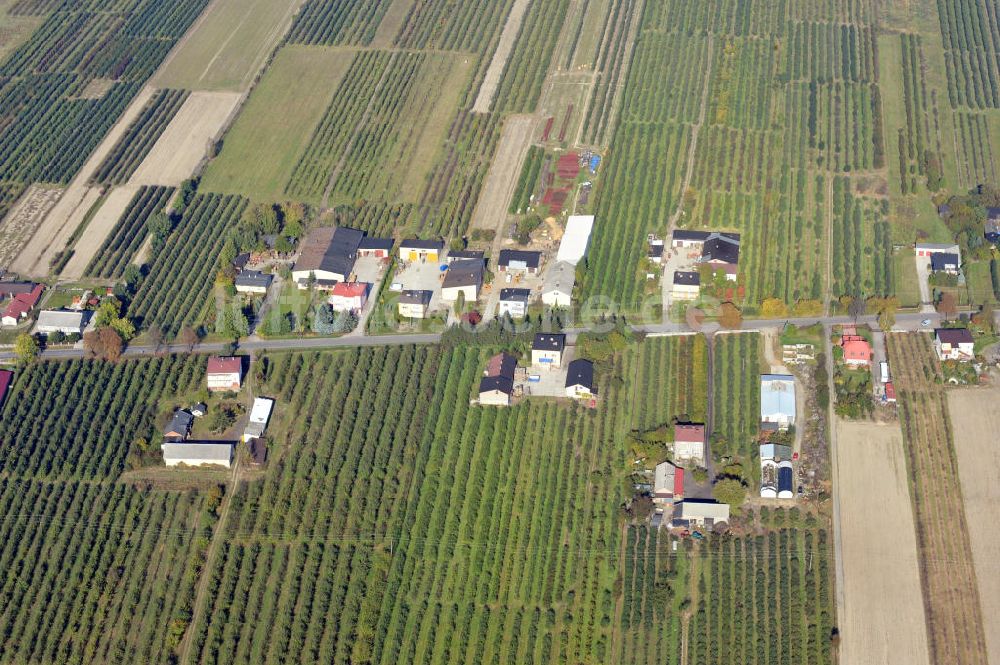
(883, 368)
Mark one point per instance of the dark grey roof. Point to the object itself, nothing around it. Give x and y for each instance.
(991, 213)
(422, 244)
(683, 234)
(942, 261)
(724, 247)
(465, 254)
(785, 480)
(343, 251)
(580, 373)
(254, 278)
(521, 295)
(530, 259)
(8, 289)
(241, 260)
(501, 383)
(687, 278)
(376, 243)
(201, 407)
(548, 342)
(180, 422)
(954, 335)
(467, 272)
(414, 297)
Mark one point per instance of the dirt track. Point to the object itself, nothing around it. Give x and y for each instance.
(184, 143)
(975, 417)
(884, 612)
(99, 228)
(500, 57)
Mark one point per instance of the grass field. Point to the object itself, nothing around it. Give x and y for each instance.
(229, 45)
(260, 151)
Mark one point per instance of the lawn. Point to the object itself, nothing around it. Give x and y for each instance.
(263, 147)
(229, 46)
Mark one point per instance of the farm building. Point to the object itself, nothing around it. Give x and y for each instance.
(775, 452)
(414, 304)
(198, 453)
(199, 410)
(465, 254)
(260, 414)
(721, 248)
(327, 256)
(580, 379)
(687, 285)
(61, 320)
(497, 384)
(668, 483)
(699, 512)
(514, 302)
(14, 289)
(655, 246)
(6, 378)
(21, 305)
(557, 291)
(954, 344)
(179, 426)
(349, 296)
(777, 400)
(252, 281)
(991, 229)
(929, 249)
(224, 373)
(777, 477)
(944, 262)
(463, 277)
(683, 239)
(576, 239)
(890, 393)
(380, 248)
(421, 250)
(516, 260)
(857, 350)
(689, 442)
(547, 349)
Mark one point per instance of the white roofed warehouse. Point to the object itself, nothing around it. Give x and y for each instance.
(198, 453)
(576, 239)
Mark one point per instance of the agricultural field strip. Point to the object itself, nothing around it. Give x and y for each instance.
(23, 219)
(501, 180)
(129, 233)
(511, 28)
(99, 228)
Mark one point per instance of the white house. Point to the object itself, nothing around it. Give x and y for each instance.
(224, 373)
(514, 302)
(576, 239)
(413, 250)
(349, 296)
(191, 453)
(414, 304)
(495, 390)
(689, 442)
(777, 400)
(59, 320)
(252, 281)
(684, 239)
(954, 344)
(463, 277)
(687, 285)
(260, 414)
(580, 379)
(557, 291)
(517, 260)
(547, 349)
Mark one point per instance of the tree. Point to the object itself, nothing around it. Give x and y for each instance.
(886, 320)
(947, 306)
(235, 323)
(730, 491)
(808, 308)
(857, 308)
(25, 348)
(189, 337)
(772, 308)
(730, 316)
(155, 335)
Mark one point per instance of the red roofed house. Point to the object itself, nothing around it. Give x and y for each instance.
(349, 296)
(21, 305)
(689, 442)
(224, 373)
(857, 350)
(6, 377)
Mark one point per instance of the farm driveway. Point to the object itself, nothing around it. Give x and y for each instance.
(484, 100)
(883, 618)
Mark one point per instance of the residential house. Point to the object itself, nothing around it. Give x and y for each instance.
(349, 296)
(722, 251)
(413, 304)
(954, 344)
(252, 281)
(547, 349)
(668, 484)
(580, 379)
(687, 285)
(777, 400)
(421, 250)
(699, 512)
(575, 239)
(241, 261)
(6, 378)
(463, 277)
(380, 248)
(198, 453)
(689, 443)
(944, 263)
(514, 302)
(21, 305)
(225, 373)
(497, 384)
(516, 260)
(857, 350)
(465, 255)
(557, 291)
(260, 414)
(63, 321)
(327, 257)
(179, 426)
